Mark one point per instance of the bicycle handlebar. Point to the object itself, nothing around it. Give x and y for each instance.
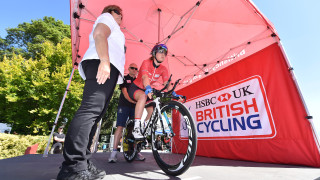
(175, 84)
(162, 94)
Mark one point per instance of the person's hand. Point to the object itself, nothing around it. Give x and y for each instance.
(103, 72)
(150, 95)
(148, 91)
(174, 94)
(181, 99)
(132, 101)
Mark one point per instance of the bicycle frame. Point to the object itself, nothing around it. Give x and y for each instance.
(158, 110)
(157, 114)
(172, 162)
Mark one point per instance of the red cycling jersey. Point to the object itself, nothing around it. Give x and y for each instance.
(153, 73)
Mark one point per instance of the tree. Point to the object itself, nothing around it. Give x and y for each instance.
(27, 38)
(35, 67)
(31, 90)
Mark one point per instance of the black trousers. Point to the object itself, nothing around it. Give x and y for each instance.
(56, 148)
(84, 124)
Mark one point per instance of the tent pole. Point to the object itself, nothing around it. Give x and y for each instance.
(45, 154)
(159, 10)
(315, 135)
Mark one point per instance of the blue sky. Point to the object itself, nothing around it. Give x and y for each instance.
(297, 22)
(298, 25)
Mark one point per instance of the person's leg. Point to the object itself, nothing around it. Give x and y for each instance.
(141, 99)
(109, 92)
(117, 137)
(149, 113)
(116, 140)
(122, 116)
(55, 149)
(94, 128)
(94, 101)
(92, 133)
(58, 149)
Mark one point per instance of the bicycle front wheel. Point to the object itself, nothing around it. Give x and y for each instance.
(176, 156)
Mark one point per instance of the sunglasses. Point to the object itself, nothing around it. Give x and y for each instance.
(162, 51)
(133, 68)
(116, 11)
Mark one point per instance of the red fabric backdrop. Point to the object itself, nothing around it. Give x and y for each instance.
(293, 141)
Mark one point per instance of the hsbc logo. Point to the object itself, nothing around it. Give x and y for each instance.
(224, 97)
(237, 111)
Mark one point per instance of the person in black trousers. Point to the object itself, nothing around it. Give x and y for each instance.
(102, 67)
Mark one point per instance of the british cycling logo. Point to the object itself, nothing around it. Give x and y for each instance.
(237, 111)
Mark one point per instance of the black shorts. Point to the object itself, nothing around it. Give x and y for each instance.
(133, 89)
(124, 113)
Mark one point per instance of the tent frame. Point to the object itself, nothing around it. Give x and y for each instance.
(310, 119)
(45, 153)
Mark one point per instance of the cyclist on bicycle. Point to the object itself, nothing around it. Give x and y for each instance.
(141, 90)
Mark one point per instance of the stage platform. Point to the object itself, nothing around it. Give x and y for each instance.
(35, 167)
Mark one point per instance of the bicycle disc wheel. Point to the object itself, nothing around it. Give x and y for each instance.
(175, 157)
(129, 145)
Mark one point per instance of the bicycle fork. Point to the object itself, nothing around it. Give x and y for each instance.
(165, 116)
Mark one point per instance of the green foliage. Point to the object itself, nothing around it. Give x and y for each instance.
(31, 90)
(27, 38)
(35, 66)
(15, 145)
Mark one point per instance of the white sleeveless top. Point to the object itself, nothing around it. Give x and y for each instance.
(116, 42)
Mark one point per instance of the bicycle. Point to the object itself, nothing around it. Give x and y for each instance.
(173, 120)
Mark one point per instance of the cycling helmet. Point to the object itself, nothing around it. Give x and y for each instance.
(158, 47)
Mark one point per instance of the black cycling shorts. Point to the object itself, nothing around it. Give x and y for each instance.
(133, 89)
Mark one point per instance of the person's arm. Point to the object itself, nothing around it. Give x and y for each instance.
(126, 95)
(100, 36)
(146, 84)
(145, 80)
(58, 139)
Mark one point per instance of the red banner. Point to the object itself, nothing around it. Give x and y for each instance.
(252, 111)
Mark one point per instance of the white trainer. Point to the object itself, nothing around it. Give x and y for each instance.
(137, 133)
(113, 157)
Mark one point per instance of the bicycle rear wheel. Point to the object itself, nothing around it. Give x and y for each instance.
(128, 142)
(177, 156)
